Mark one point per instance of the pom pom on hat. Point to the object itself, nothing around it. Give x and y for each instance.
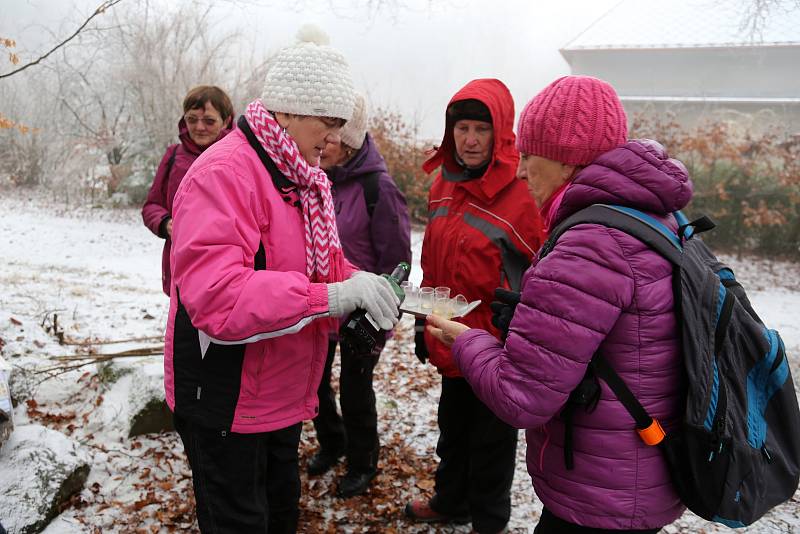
(573, 120)
(354, 132)
(310, 78)
(309, 33)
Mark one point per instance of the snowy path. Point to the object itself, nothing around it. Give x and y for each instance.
(99, 271)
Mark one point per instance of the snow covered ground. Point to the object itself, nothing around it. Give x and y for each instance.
(97, 270)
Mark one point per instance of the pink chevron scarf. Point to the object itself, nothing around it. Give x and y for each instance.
(324, 256)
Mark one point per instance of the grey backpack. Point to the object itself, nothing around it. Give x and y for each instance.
(736, 453)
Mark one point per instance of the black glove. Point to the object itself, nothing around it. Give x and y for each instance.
(503, 309)
(420, 349)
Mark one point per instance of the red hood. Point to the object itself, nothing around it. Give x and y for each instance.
(189, 145)
(505, 158)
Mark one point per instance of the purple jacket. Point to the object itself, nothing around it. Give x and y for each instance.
(599, 289)
(157, 209)
(380, 243)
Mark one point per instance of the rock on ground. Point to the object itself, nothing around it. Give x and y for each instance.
(6, 409)
(135, 403)
(40, 469)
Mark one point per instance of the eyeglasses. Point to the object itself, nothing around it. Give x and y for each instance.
(332, 122)
(208, 121)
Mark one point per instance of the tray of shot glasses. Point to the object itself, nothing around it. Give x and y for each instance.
(423, 301)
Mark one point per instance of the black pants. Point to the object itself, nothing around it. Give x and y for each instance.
(477, 453)
(356, 430)
(243, 482)
(550, 524)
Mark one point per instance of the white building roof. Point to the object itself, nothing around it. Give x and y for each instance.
(689, 24)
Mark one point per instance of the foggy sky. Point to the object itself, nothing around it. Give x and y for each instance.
(410, 58)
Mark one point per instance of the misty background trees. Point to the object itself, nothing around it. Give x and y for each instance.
(92, 121)
(88, 118)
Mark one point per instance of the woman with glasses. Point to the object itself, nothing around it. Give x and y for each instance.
(207, 118)
(259, 282)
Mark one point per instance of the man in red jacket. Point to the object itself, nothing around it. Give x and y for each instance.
(482, 233)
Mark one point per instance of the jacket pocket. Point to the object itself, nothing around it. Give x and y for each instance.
(253, 366)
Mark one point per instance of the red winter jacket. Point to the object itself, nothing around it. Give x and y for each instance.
(482, 232)
(157, 209)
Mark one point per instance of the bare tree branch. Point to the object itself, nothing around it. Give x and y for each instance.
(756, 14)
(78, 118)
(100, 10)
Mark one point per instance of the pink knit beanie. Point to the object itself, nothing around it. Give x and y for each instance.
(573, 120)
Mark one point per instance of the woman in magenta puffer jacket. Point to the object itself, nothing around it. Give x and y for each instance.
(598, 290)
(207, 118)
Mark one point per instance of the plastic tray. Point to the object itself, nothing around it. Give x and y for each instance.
(418, 312)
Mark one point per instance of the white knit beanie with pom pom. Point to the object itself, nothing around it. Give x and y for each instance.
(310, 78)
(354, 132)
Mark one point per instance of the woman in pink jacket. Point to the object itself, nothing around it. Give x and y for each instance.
(259, 279)
(207, 118)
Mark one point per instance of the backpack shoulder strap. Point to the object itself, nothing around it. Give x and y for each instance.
(605, 372)
(170, 164)
(370, 184)
(631, 221)
(660, 238)
(171, 160)
(587, 394)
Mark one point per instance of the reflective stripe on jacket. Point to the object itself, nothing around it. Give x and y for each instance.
(483, 232)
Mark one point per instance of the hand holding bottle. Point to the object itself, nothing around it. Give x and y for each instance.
(367, 291)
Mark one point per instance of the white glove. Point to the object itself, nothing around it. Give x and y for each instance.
(367, 291)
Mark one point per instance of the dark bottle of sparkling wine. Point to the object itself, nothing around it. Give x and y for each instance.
(360, 330)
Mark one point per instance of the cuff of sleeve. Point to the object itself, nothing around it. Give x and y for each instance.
(162, 226)
(461, 356)
(318, 297)
(350, 270)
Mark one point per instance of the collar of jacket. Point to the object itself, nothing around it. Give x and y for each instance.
(639, 174)
(192, 147)
(466, 173)
(366, 160)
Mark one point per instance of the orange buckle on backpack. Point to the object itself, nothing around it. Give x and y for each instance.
(653, 434)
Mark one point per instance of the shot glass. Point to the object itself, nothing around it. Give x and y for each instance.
(412, 294)
(441, 302)
(426, 298)
(460, 304)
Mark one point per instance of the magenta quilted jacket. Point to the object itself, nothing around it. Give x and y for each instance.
(599, 289)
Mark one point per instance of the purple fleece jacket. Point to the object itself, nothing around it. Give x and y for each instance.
(378, 243)
(599, 289)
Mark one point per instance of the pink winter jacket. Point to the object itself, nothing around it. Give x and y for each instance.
(243, 351)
